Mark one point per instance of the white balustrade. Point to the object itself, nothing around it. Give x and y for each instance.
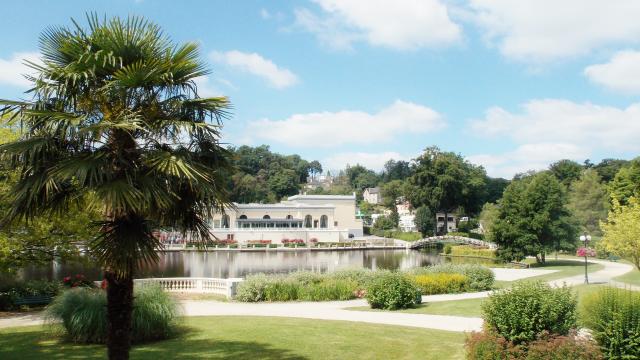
(226, 287)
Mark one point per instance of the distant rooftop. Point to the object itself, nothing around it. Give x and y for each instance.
(373, 190)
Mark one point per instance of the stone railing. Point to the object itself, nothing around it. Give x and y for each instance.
(226, 287)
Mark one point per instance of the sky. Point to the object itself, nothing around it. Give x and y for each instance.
(513, 85)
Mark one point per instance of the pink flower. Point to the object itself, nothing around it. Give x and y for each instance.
(585, 252)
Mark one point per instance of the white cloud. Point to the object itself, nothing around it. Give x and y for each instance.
(205, 88)
(552, 129)
(547, 30)
(401, 24)
(328, 129)
(257, 65)
(563, 121)
(621, 73)
(12, 70)
(374, 161)
(528, 157)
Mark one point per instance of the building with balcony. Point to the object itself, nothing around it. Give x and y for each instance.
(323, 218)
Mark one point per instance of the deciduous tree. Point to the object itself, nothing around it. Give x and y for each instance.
(533, 219)
(589, 201)
(622, 230)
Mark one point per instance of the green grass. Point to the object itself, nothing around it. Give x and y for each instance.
(566, 268)
(466, 307)
(235, 337)
(632, 277)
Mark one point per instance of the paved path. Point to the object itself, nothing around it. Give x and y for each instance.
(335, 310)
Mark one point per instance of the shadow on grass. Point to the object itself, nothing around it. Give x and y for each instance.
(549, 263)
(35, 343)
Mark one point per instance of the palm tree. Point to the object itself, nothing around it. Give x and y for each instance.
(115, 123)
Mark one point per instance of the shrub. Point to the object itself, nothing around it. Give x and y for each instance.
(470, 250)
(441, 283)
(83, 314)
(10, 292)
(392, 291)
(252, 289)
(329, 289)
(155, 314)
(522, 313)
(480, 277)
(489, 346)
(447, 249)
(361, 277)
(614, 317)
(281, 289)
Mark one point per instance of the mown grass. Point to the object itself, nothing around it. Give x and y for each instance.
(235, 337)
(565, 267)
(632, 277)
(466, 308)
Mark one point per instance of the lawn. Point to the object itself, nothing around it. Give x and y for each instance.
(567, 268)
(255, 337)
(632, 277)
(466, 307)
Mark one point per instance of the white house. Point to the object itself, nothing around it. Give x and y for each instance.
(325, 218)
(372, 195)
(451, 222)
(407, 223)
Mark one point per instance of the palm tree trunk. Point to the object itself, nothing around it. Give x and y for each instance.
(119, 308)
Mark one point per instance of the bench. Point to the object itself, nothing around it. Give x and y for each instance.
(34, 300)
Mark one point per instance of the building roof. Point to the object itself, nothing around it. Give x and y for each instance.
(373, 190)
(321, 197)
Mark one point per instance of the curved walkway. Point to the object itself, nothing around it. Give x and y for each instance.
(336, 310)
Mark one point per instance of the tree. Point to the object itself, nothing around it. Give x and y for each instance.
(283, 183)
(608, 168)
(43, 239)
(626, 183)
(589, 201)
(445, 181)
(396, 170)
(495, 188)
(425, 221)
(315, 168)
(566, 171)
(391, 191)
(384, 223)
(533, 219)
(360, 178)
(487, 219)
(622, 230)
(115, 115)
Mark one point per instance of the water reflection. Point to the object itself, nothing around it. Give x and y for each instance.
(225, 264)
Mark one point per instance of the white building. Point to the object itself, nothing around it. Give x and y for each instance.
(325, 218)
(451, 223)
(407, 223)
(372, 195)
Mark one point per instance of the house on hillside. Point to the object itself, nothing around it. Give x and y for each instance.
(451, 223)
(372, 195)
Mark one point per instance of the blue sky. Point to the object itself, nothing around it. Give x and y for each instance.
(511, 85)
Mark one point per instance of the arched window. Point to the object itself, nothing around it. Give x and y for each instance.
(289, 217)
(307, 221)
(225, 221)
(266, 217)
(243, 217)
(324, 221)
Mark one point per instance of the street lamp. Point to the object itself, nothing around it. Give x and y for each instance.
(586, 238)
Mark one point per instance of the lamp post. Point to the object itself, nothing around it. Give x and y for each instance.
(586, 238)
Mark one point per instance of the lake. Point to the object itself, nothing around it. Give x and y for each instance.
(229, 264)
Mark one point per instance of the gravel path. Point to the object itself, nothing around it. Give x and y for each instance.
(335, 310)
